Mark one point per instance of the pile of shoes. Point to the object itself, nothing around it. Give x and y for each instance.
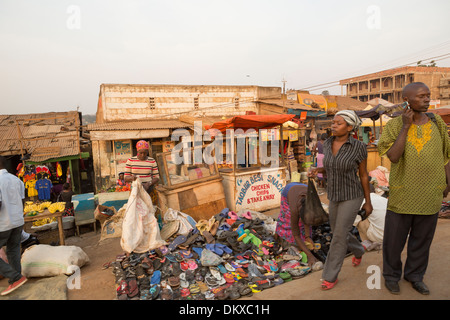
(226, 257)
(321, 236)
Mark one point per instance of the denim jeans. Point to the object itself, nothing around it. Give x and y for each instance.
(11, 239)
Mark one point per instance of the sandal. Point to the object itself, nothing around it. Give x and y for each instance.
(176, 242)
(244, 290)
(285, 276)
(356, 262)
(326, 285)
(254, 287)
(229, 278)
(208, 236)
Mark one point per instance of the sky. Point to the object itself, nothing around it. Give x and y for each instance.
(55, 54)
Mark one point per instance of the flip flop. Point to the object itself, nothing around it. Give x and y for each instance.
(273, 265)
(215, 273)
(156, 277)
(176, 242)
(208, 236)
(202, 225)
(192, 264)
(247, 215)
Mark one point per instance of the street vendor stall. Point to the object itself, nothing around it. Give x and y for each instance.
(254, 185)
(47, 214)
(192, 188)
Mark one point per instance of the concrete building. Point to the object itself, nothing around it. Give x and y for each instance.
(388, 84)
(137, 102)
(127, 113)
(444, 90)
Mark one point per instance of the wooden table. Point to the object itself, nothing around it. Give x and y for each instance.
(47, 214)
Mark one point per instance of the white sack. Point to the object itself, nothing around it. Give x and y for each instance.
(140, 230)
(43, 260)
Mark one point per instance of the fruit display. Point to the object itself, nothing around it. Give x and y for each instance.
(31, 209)
(44, 221)
(57, 206)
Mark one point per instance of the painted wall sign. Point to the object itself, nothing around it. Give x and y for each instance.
(259, 190)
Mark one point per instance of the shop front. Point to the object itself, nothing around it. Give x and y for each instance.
(192, 188)
(253, 168)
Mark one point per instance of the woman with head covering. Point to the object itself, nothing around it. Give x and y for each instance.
(144, 167)
(344, 159)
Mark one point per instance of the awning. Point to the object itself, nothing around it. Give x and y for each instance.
(251, 122)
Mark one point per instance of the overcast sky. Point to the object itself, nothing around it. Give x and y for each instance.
(55, 54)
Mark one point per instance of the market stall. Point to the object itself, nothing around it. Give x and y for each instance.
(47, 215)
(193, 188)
(250, 180)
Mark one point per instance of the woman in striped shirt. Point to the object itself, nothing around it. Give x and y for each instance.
(344, 158)
(144, 167)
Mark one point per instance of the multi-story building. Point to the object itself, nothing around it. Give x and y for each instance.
(444, 89)
(388, 84)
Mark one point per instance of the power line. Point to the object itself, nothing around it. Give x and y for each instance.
(443, 57)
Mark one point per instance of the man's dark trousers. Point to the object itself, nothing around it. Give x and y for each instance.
(11, 239)
(397, 227)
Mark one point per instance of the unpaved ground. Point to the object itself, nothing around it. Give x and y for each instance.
(97, 283)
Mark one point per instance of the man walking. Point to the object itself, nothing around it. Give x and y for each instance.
(12, 193)
(418, 147)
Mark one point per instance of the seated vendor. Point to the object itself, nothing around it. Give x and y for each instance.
(66, 196)
(121, 181)
(290, 228)
(371, 230)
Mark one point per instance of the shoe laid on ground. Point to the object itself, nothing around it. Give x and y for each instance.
(392, 286)
(420, 287)
(14, 286)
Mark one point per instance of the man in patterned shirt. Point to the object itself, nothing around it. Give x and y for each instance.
(418, 148)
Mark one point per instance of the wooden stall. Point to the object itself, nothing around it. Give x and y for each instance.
(192, 188)
(253, 185)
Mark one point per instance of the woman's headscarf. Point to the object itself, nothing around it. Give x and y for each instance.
(351, 118)
(142, 144)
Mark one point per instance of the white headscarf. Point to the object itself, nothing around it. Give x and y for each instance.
(350, 117)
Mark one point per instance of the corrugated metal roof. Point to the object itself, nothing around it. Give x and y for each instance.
(138, 125)
(44, 135)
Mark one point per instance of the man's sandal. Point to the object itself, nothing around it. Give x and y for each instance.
(326, 285)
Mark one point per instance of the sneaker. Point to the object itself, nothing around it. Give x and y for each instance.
(14, 286)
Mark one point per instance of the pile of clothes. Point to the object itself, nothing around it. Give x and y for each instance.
(226, 257)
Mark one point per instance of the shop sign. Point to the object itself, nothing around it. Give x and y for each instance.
(258, 189)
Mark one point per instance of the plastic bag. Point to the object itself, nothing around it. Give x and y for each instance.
(140, 230)
(187, 223)
(312, 212)
(210, 259)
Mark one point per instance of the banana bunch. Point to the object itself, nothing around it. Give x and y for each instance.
(33, 207)
(42, 222)
(46, 204)
(36, 207)
(57, 206)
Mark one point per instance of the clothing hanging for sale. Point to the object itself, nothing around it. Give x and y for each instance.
(44, 187)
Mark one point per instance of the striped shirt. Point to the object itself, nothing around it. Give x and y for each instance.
(146, 170)
(342, 170)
